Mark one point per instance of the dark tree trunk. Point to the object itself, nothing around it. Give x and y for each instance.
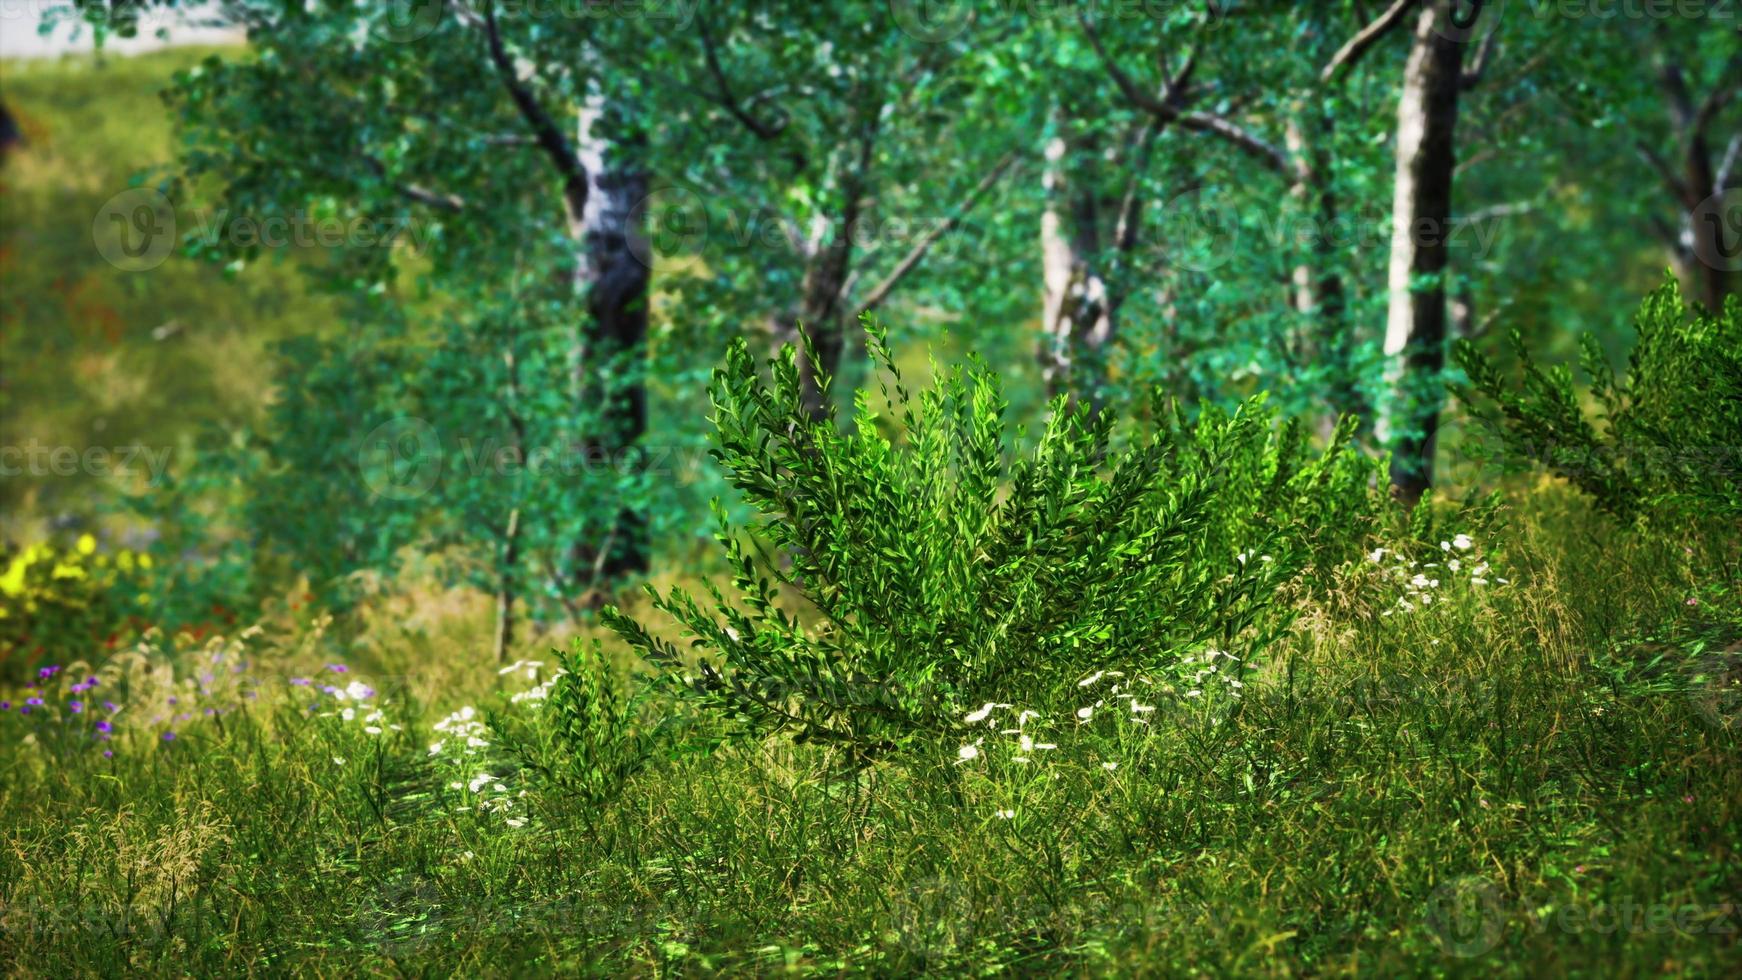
(1703, 248)
(828, 264)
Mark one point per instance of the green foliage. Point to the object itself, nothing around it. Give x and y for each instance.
(1667, 438)
(603, 735)
(950, 568)
(63, 603)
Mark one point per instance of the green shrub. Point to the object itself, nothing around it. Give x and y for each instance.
(64, 603)
(1667, 439)
(946, 568)
(593, 732)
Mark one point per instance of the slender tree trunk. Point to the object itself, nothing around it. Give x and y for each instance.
(828, 264)
(505, 587)
(1415, 330)
(614, 269)
(1702, 249)
(1077, 324)
(1319, 294)
(10, 136)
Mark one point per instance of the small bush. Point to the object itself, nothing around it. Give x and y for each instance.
(946, 569)
(60, 603)
(1667, 439)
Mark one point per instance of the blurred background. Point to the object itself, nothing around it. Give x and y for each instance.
(409, 309)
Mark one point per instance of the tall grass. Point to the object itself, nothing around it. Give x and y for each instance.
(1518, 778)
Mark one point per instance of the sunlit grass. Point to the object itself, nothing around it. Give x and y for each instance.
(1517, 779)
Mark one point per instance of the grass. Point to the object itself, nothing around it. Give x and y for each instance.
(1519, 779)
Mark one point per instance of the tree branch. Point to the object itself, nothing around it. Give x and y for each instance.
(1727, 169)
(728, 99)
(544, 129)
(1472, 76)
(1664, 170)
(1722, 90)
(417, 192)
(917, 253)
(1357, 46)
(1169, 106)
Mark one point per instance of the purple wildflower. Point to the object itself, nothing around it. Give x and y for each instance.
(78, 707)
(301, 681)
(338, 668)
(169, 736)
(105, 726)
(34, 702)
(108, 753)
(5, 705)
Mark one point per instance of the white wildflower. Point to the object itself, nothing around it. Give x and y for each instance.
(982, 713)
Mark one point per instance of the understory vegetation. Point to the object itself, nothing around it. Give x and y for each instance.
(1314, 734)
(873, 488)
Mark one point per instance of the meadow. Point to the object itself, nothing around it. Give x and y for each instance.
(1536, 775)
(974, 681)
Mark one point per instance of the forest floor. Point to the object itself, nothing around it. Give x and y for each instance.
(1535, 773)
